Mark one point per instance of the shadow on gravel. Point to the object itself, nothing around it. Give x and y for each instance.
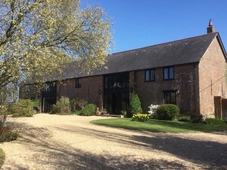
(211, 154)
(205, 153)
(49, 153)
(62, 156)
(208, 154)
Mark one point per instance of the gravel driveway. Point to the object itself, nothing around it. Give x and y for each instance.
(71, 142)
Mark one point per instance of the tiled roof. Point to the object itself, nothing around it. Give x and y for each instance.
(189, 50)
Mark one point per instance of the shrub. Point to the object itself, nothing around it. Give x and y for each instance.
(184, 118)
(225, 120)
(35, 105)
(3, 109)
(197, 118)
(152, 109)
(62, 106)
(124, 113)
(88, 110)
(9, 136)
(167, 112)
(129, 114)
(213, 121)
(140, 117)
(6, 132)
(23, 108)
(35, 102)
(75, 112)
(78, 104)
(135, 105)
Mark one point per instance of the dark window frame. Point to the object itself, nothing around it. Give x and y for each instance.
(50, 87)
(78, 83)
(27, 88)
(116, 81)
(170, 74)
(169, 98)
(150, 73)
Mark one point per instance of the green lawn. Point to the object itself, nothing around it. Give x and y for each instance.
(155, 125)
(2, 155)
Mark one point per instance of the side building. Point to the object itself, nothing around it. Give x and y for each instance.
(190, 73)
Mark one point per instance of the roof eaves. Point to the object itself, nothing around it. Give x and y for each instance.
(222, 46)
(209, 45)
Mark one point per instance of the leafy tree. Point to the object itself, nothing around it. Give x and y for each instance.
(39, 37)
(9, 93)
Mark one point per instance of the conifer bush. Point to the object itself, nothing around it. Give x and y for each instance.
(135, 105)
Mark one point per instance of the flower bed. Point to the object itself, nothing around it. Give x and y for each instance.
(140, 117)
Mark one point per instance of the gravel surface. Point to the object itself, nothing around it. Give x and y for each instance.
(71, 142)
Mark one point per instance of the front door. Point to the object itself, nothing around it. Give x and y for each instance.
(117, 103)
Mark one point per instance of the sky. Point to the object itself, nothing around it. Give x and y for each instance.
(143, 23)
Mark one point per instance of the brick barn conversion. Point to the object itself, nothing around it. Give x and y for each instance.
(190, 73)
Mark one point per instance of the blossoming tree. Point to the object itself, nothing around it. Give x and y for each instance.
(39, 37)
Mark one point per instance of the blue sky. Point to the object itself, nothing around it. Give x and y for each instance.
(143, 23)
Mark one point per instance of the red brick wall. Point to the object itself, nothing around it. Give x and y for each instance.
(89, 90)
(195, 85)
(212, 71)
(34, 91)
(184, 84)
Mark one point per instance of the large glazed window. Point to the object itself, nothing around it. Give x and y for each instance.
(50, 87)
(116, 92)
(116, 81)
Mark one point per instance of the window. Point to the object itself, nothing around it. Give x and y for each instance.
(150, 75)
(50, 87)
(78, 82)
(116, 81)
(168, 73)
(170, 97)
(27, 89)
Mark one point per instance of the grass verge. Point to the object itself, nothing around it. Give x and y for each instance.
(154, 125)
(2, 157)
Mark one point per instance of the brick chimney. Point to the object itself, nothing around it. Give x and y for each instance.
(210, 28)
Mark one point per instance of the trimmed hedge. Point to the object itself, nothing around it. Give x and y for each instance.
(167, 112)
